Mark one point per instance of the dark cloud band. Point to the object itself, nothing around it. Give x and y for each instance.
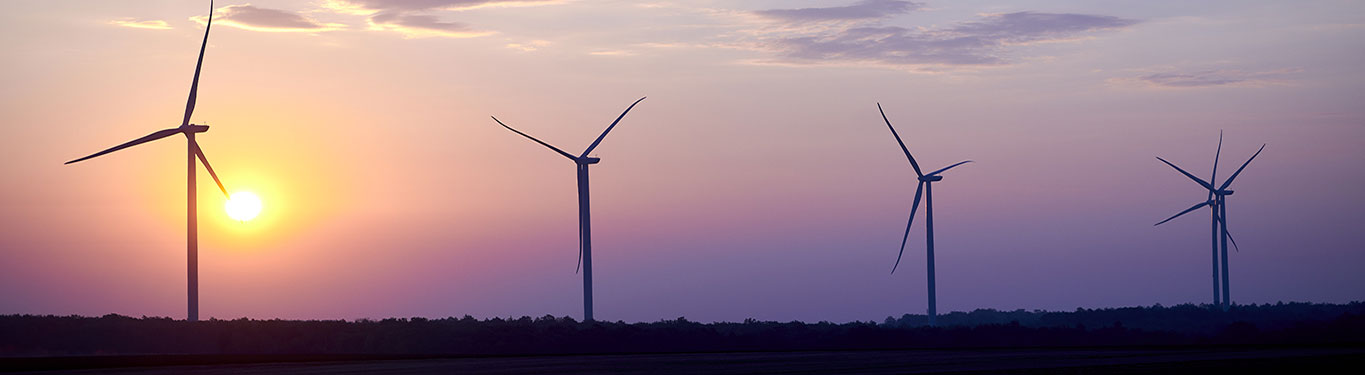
(980, 42)
(865, 10)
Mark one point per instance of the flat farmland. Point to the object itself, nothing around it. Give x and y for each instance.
(1022, 361)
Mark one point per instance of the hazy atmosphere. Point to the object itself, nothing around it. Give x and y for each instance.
(757, 180)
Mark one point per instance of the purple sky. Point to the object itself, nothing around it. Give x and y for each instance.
(757, 180)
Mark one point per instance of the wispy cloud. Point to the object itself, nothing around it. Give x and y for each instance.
(421, 26)
(528, 46)
(143, 24)
(982, 42)
(618, 53)
(866, 33)
(1032, 27)
(376, 6)
(1209, 78)
(411, 18)
(864, 10)
(252, 18)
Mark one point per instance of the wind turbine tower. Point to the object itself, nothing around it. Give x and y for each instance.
(1216, 200)
(581, 163)
(925, 187)
(191, 216)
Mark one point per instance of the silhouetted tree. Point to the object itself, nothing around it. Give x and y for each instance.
(1280, 324)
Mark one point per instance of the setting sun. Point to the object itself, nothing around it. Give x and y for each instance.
(243, 206)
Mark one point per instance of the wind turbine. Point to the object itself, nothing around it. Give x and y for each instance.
(926, 187)
(584, 223)
(1217, 202)
(191, 229)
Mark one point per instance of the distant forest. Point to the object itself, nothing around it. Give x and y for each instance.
(1277, 324)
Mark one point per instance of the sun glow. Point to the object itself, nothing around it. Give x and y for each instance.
(243, 206)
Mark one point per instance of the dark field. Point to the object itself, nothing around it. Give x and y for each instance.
(1295, 338)
(995, 361)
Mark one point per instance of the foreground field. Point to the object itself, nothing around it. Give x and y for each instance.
(1294, 338)
(1279, 325)
(1189, 360)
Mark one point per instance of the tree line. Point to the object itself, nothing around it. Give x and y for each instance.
(1270, 324)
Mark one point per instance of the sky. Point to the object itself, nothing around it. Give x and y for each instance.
(757, 180)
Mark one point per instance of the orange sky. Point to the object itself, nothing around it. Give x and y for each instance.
(756, 181)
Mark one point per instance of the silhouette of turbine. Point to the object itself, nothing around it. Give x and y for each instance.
(925, 186)
(584, 223)
(192, 233)
(1217, 202)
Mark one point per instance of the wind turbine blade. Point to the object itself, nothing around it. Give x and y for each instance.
(1239, 170)
(582, 170)
(1214, 179)
(913, 164)
(948, 167)
(613, 125)
(913, 207)
(561, 152)
(579, 265)
(194, 87)
(1187, 210)
(203, 159)
(1187, 174)
(1224, 226)
(148, 138)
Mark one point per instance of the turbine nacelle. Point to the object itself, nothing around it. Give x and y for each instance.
(587, 160)
(931, 178)
(191, 128)
(1224, 192)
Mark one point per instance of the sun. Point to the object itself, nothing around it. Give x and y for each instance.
(243, 206)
